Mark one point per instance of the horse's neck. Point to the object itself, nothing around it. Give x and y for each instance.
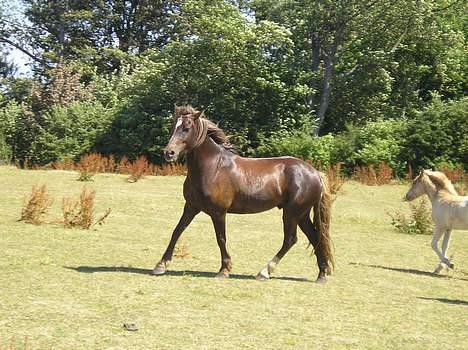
(202, 159)
(431, 192)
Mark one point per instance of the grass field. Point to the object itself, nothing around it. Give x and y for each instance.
(73, 289)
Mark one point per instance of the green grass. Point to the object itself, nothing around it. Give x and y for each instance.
(74, 289)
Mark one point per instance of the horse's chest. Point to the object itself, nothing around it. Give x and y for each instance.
(208, 195)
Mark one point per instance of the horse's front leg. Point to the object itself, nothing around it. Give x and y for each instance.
(438, 232)
(445, 245)
(186, 218)
(219, 223)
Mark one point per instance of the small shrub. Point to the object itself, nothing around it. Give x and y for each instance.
(110, 165)
(409, 173)
(181, 251)
(80, 213)
(365, 175)
(66, 164)
(89, 165)
(138, 169)
(455, 173)
(122, 168)
(385, 174)
(36, 206)
(419, 221)
(368, 176)
(335, 178)
(172, 169)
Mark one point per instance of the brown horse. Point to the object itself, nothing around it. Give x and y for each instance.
(219, 182)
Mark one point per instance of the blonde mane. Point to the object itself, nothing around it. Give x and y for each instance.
(441, 181)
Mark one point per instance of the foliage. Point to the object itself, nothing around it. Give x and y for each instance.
(80, 213)
(335, 177)
(68, 132)
(138, 169)
(370, 176)
(36, 205)
(418, 223)
(376, 142)
(301, 145)
(267, 71)
(438, 134)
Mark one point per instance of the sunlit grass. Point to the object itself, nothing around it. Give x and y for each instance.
(74, 289)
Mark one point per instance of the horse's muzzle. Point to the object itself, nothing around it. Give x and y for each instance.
(170, 156)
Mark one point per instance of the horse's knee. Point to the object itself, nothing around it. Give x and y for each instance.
(293, 240)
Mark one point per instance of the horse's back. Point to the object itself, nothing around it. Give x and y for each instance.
(451, 213)
(264, 183)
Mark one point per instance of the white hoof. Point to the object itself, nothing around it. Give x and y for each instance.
(263, 275)
(439, 268)
(159, 269)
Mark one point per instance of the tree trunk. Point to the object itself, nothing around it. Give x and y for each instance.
(315, 66)
(325, 97)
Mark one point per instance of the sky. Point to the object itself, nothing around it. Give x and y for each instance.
(14, 9)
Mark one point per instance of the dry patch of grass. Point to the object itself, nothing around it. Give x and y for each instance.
(64, 290)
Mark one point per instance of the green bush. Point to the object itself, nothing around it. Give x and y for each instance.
(69, 131)
(377, 141)
(438, 134)
(12, 130)
(300, 145)
(419, 221)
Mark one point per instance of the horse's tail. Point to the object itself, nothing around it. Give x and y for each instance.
(322, 216)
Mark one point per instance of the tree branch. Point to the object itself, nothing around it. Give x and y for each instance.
(23, 50)
(447, 7)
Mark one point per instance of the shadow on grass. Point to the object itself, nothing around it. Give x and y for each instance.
(202, 274)
(410, 271)
(447, 301)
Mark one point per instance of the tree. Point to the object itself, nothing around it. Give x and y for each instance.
(102, 33)
(349, 53)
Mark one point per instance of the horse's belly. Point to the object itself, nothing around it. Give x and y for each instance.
(251, 205)
(452, 218)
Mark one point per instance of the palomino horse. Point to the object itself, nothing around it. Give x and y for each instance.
(219, 181)
(449, 210)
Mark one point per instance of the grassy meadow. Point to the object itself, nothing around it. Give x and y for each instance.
(74, 289)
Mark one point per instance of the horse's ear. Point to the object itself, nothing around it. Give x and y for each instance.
(197, 115)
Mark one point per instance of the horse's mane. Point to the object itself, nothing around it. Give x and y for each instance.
(212, 129)
(441, 181)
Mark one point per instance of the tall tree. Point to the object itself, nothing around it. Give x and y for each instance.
(98, 33)
(341, 46)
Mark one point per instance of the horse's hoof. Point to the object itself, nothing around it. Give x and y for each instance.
(438, 269)
(222, 274)
(262, 277)
(159, 269)
(450, 265)
(321, 280)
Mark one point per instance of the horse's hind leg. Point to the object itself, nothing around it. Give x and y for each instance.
(290, 238)
(309, 230)
(187, 217)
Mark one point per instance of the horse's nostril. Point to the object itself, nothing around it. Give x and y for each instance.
(171, 153)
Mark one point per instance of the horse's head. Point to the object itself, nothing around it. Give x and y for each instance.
(184, 137)
(417, 188)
